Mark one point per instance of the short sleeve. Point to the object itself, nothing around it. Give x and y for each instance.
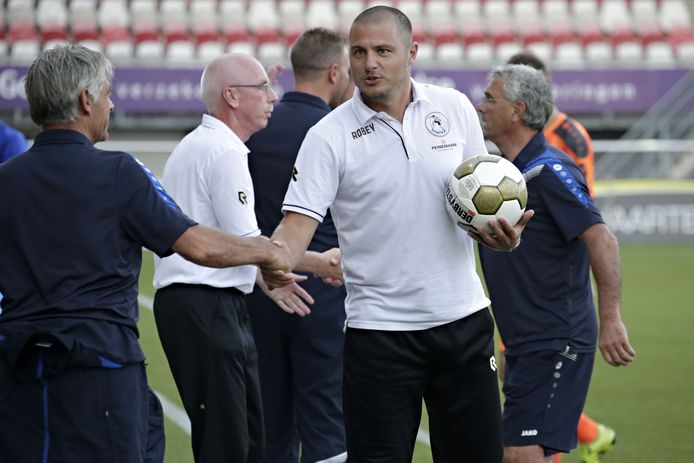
(231, 189)
(147, 212)
(315, 178)
(567, 200)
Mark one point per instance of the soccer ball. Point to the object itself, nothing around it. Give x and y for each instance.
(484, 188)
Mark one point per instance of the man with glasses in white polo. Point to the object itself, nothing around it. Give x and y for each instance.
(201, 312)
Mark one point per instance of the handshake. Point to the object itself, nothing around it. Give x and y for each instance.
(276, 267)
(281, 285)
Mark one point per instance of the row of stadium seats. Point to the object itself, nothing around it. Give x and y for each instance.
(567, 32)
(610, 16)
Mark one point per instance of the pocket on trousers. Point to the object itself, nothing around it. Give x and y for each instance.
(226, 332)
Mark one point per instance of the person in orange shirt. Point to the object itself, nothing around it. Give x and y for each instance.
(567, 134)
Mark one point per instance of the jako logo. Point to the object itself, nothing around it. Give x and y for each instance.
(529, 432)
(492, 363)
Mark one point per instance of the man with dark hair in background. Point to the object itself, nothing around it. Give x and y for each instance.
(73, 221)
(567, 134)
(300, 359)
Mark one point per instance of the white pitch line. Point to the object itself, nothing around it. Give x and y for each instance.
(174, 413)
(171, 410)
(179, 416)
(145, 301)
(423, 437)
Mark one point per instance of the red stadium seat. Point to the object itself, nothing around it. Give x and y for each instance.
(590, 34)
(561, 35)
(202, 35)
(680, 35)
(21, 31)
(650, 34)
(84, 32)
(501, 34)
(473, 34)
(267, 34)
(115, 33)
(236, 34)
(531, 34)
(54, 32)
(145, 34)
(290, 36)
(52, 19)
(444, 35)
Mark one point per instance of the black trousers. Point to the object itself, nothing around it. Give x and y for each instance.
(387, 373)
(206, 335)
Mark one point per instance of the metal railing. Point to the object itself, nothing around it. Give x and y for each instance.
(659, 143)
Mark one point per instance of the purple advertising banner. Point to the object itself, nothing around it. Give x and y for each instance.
(151, 90)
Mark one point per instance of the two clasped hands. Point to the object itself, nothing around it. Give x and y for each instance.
(280, 284)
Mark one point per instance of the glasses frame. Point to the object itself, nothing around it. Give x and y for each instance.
(489, 99)
(267, 86)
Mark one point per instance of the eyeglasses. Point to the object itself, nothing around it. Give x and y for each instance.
(266, 86)
(487, 98)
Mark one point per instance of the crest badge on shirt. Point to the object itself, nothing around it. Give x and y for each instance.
(242, 198)
(437, 124)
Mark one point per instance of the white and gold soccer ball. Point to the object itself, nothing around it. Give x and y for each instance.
(483, 188)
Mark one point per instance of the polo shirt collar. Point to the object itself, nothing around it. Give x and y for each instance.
(536, 146)
(212, 122)
(307, 98)
(61, 136)
(364, 113)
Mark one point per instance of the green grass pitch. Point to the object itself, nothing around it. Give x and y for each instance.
(648, 403)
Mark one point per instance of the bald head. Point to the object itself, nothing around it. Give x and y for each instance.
(226, 70)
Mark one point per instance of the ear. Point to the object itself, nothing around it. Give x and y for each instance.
(85, 102)
(518, 111)
(231, 96)
(412, 53)
(333, 71)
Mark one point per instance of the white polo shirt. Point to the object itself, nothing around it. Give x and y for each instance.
(407, 265)
(207, 175)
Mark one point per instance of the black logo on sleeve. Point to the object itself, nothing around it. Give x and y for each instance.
(295, 174)
(361, 131)
(242, 198)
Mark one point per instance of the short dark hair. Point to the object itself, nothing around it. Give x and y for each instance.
(529, 59)
(379, 13)
(316, 49)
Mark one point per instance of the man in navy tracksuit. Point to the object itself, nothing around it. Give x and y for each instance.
(541, 293)
(73, 221)
(300, 359)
